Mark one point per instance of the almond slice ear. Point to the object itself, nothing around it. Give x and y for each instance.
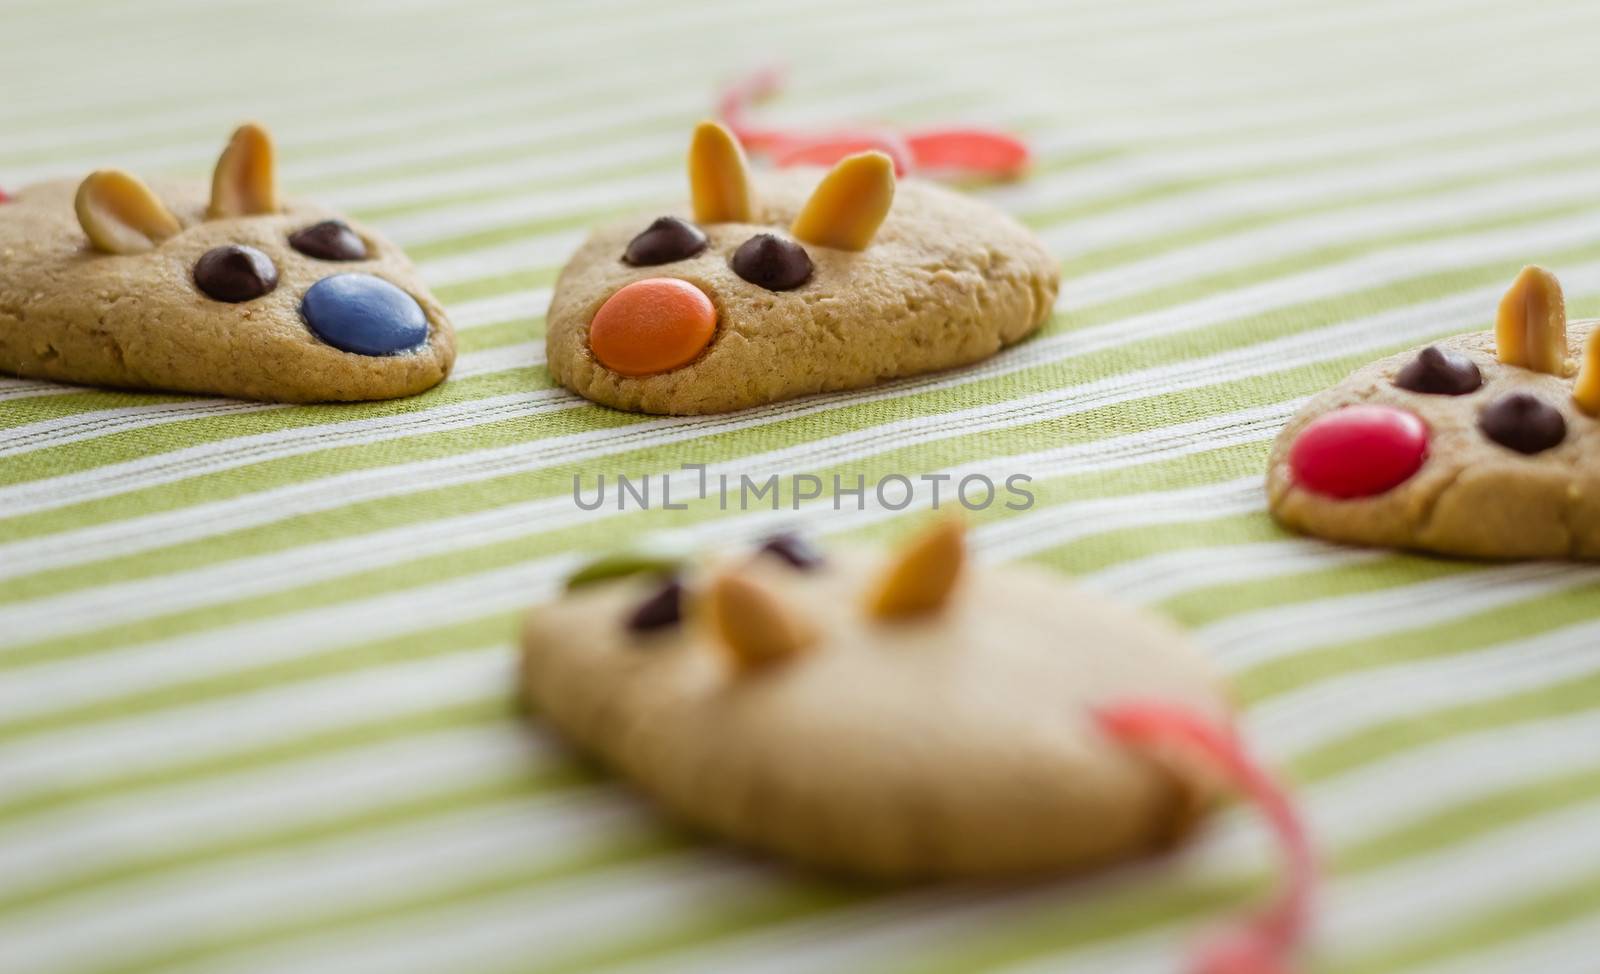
(1531, 328)
(1586, 392)
(246, 179)
(120, 214)
(753, 623)
(921, 576)
(851, 202)
(719, 177)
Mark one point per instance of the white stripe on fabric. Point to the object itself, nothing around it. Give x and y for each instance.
(1564, 949)
(1160, 577)
(1259, 637)
(236, 806)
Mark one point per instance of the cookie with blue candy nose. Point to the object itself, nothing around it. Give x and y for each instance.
(114, 282)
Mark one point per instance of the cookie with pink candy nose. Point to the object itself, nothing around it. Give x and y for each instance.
(1485, 445)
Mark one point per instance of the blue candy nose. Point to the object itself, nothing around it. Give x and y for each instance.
(364, 314)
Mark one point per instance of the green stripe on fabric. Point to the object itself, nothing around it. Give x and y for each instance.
(495, 285)
(1470, 819)
(1103, 915)
(666, 161)
(1469, 631)
(497, 630)
(118, 447)
(199, 947)
(1388, 737)
(1217, 602)
(1109, 257)
(786, 902)
(320, 744)
(1100, 551)
(434, 803)
(1175, 186)
(1523, 916)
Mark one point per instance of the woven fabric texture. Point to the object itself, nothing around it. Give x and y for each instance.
(256, 662)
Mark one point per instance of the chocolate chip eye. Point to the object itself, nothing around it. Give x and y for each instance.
(1523, 422)
(794, 549)
(663, 608)
(1438, 372)
(770, 261)
(235, 273)
(664, 241)
(329, 240)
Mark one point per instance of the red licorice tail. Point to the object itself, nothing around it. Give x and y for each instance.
(970, 150)
(3, 197)
(737, 97)
(799, 148)
(825, 149)
(961, 151)
(1265, 943)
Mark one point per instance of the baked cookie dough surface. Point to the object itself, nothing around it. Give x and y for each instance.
(947, 281)
(75, 314)
(955, 743)
(1471, 496)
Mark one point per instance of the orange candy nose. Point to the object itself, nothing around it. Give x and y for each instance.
(653, 325)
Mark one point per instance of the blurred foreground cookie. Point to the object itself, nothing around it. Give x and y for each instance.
(1484, 445)
(904, 715)
(892, 714)
(111, 282)
(789, 284)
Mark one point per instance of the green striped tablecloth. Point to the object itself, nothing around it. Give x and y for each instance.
(255, 661)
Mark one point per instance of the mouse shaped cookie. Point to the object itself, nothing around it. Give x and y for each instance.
(112, 282)
(1484, 445)
(786, 284)
(906, 716)
(896, 715)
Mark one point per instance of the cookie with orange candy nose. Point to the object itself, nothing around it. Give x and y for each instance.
(807, 281)
(1485, 445)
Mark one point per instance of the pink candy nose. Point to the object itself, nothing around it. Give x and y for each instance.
(1359, 451)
